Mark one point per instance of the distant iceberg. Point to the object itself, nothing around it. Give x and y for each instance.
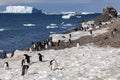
(1, 30)
(67, 24)
(67, 16)
(29, 25)
(85, 13)
(52, 26)
(68, 13)
(21, 9)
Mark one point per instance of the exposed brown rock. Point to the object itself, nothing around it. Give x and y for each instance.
(108, 14)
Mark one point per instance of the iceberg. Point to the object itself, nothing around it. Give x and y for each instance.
(85, 13)
(1, 30)
(29, 25)
(68, 12)
(67, 25)
(52, 26)
(21, 9)
(67, 16)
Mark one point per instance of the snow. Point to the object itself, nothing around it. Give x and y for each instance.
(89, 62)
(18, 9)
(76, 35)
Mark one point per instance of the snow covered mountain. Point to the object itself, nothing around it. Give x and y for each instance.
(21, 9)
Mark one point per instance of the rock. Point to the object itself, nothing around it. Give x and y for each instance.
(110, 11)
(107, 15)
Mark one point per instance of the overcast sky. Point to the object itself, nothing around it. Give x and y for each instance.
(64, 5)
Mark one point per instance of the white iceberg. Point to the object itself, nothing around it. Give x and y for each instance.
(78, 16)
(52, 26)
(2, 29)
(29, 25)
(85, 13)
(67, 24)
(67, 16)
(21, 9)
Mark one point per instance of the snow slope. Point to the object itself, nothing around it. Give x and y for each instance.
(76, 35)
(86, 63)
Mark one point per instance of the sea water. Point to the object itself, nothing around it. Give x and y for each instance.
(18, 31)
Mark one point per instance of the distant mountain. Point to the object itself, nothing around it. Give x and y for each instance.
(21, 9)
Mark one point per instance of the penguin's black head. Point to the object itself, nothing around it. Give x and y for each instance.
(39, 54)
(25, 55)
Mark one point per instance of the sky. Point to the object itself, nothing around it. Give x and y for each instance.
(64, 5)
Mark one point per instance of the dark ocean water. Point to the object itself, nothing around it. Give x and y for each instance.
(15, 35)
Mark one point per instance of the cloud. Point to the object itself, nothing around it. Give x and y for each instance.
(9, 2)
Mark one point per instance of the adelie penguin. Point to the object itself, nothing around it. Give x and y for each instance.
(27, 57)
(24, 62)
(40, 57)
(53, 65)
(24, 69)
(6, 65)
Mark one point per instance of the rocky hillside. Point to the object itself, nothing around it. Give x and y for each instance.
(108, 14)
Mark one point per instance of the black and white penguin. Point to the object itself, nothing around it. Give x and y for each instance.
(24, 69)
(6, 65)
(78, 45)
(27, 57)
(53, 65)
(40, 57)
(13, 52)
(24, 62)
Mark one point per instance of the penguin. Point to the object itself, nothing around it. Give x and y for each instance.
(40, 57)
(5, 54)
(46, 46)
(13, 52)
(70, 41)
(24, 62)
(78, 45)
(24, 69)
(6, 65)
(70, 35)
(27, 57)
(50, 44)
(90, 31)
(53, 65)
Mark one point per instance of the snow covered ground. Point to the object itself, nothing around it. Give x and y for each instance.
(76, 35)
(89, 62)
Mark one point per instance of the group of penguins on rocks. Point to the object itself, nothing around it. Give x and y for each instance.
(26, 62)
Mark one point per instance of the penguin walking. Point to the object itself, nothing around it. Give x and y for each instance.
(6, 65)
(40, 57)
(53, 65)
(27, 57)
(24, 69)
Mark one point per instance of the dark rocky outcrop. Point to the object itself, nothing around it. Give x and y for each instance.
(110, 11)
(108, 14)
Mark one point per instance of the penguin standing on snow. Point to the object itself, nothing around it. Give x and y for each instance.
(78, 45)
(24, 62)
(53, 64)
(40, 57)
(6, 65)
(24, 69)
(27, 57)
